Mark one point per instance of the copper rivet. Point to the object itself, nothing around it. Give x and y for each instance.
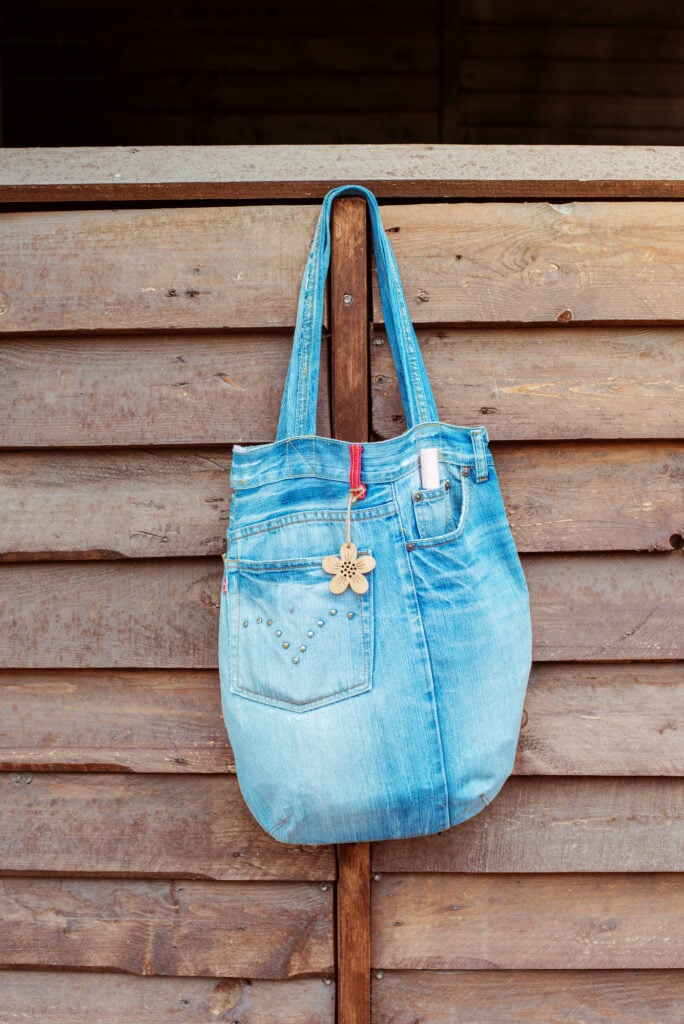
(410, 547)
(269, 622)
(302, 647)
(244, 623)
(417, 496)
(259, 620)
(285, 644)
(465, 471)
(350, 615)
(447, 486)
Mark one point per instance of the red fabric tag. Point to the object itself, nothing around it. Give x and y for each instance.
(357, 488)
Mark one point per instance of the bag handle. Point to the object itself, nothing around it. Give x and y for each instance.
(298, 410)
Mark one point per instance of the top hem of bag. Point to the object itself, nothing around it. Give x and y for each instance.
(380, 458)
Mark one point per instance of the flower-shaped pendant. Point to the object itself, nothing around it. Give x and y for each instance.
(349, 569)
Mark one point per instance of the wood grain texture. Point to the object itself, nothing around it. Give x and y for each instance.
(143, 614)
(593, 497)
(162, 503)
(213, 267)
(163, 269)
(544, 824)
(106, 173)
(145, 389)
(145, 826)
(540, 383)
(163, 613)
(529, 997)
(210, 929)
(525, 922)
(603, 720)
(605, 607)
(594, 719)
(81, 997)
(349, 319)
(114, 504)
(538, 262)
(113, 721)
(353, 915)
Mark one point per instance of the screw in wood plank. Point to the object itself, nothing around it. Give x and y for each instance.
(347, 299)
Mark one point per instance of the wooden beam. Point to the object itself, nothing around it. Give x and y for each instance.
(188, 173)
(350, 417)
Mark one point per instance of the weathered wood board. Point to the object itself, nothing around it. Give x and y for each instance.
(540, 825)
(87, 173)
(209, 929)
(528, 997)
(523, 922)
(214, 267)
(81, 997)
(541, 383)
(151, 389)
(145, 826)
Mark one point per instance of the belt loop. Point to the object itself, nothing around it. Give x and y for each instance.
(479, 438)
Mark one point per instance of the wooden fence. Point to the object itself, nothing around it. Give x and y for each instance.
(139, 340)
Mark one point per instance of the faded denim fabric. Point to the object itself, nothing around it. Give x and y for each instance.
(395, 712)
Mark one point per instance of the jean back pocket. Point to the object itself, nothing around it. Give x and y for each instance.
(292, 643)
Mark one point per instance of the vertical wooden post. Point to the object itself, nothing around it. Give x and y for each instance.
(349, 318)
(349, 321)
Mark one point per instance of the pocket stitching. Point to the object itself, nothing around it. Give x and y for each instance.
(366, 634)
(448, 538)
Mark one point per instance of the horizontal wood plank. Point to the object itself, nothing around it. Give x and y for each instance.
(538, 262)
(603, 720)
(578, 720)
(227, 52)
(211, 929)
(113, 721)
(528, 997)
(161, 269)
(535, 12)
(151, 826)
(543, 383)
(155, 613)
(545, 824)
(166, 503)
(608, 43)
(146, 389)
(81, 997)
(527, 922)
(213, 267)
(111, 173)
(605, 608)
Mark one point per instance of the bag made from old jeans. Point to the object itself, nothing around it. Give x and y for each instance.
(374, 637)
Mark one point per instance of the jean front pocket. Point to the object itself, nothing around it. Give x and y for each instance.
(293, 644)
(440, 513)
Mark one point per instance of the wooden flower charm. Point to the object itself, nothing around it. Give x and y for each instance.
(348, 570)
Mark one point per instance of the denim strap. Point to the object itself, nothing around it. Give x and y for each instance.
(298, 410)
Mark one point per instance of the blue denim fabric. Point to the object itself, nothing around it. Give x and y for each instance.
(396, 712)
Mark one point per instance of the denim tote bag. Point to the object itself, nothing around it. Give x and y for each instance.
(374, 635)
